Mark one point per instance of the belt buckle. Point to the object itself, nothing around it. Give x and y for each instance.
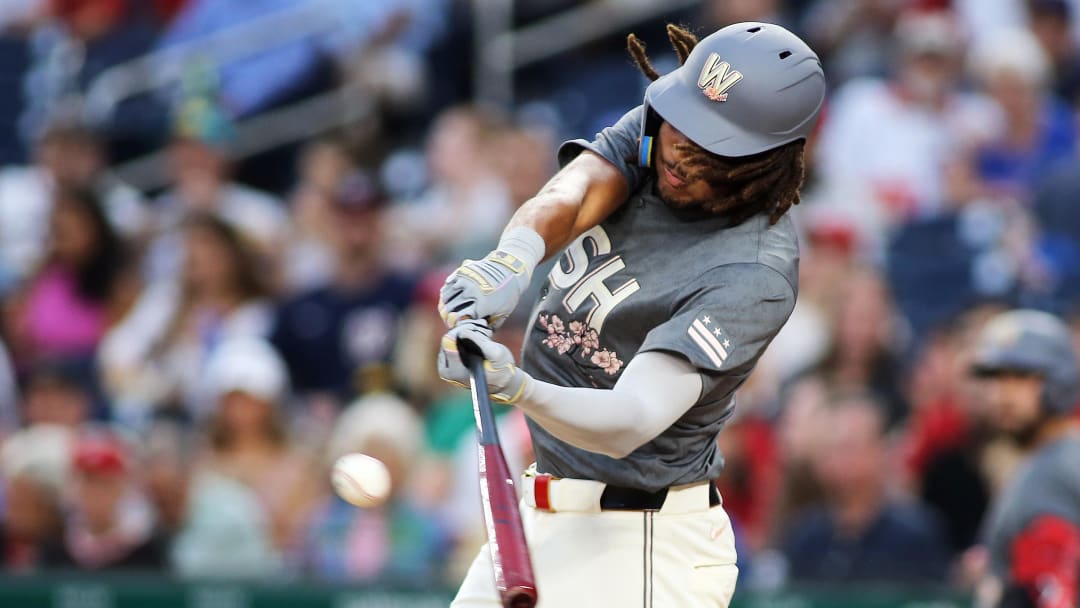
(615, 498)
(542, 492)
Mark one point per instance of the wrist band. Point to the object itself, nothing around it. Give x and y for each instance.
(524, 244)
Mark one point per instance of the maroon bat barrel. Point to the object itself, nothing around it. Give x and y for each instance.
(506, 537)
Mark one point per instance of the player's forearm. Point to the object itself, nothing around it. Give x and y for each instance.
(579, 197)
(551, 217)
(552, 213)
(654, 391)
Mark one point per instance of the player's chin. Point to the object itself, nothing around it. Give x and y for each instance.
(678, 198)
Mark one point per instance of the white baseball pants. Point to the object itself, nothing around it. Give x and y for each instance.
(682, 556)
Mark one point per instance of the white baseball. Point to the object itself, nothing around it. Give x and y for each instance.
(361, 480)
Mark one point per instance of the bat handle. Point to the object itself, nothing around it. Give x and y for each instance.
(471, 355)
(473, 358)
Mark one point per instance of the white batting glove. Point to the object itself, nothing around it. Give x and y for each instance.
(506, 382)
(489, 289)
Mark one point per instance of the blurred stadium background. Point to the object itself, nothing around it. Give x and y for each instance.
(223, 225)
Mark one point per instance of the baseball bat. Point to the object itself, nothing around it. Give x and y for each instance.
(506, 537)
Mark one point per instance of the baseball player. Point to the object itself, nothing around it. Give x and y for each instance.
(1033, 529)
(678, 266)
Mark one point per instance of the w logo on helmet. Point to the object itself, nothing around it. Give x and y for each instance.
(717, 78)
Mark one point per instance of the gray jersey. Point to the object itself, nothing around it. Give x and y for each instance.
(1048, 485)
(650, 278)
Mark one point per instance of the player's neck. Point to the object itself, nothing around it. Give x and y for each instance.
(1054, 429)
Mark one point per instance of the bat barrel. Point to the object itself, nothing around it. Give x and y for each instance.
(506, 536)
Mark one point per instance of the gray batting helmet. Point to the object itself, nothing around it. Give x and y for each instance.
(744, 89)
(1034, 342)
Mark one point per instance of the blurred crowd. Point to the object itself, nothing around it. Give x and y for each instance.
(180, 366)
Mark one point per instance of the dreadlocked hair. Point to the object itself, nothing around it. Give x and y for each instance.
(747, 185)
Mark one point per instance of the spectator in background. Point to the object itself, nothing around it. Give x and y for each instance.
(330, 332)
(465, 187)
(110, 524)
(865, 344)
(398, 541)
(167, 457)
(1039, 131)
(750, 484)
(861, 534)
(248, 437)
(34, 468)
(883, 142)
(309, 259)
(68, 159)
(804, 403)
(79, 289)
(199, 161)
(157, 355)
(56, 394)
(828, 259)
(217, 525)
(946, 436)
(1051, 23)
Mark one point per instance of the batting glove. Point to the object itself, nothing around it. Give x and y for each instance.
(506, 383)
(489, 289)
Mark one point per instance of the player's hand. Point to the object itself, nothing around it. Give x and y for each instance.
(506, 382)
(486, 289)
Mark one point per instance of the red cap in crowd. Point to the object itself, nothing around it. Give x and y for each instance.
(100, 454)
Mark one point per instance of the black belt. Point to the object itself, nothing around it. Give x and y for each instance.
(615, 498)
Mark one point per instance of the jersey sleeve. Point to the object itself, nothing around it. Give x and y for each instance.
(618, 144)
(724, 320)
(1045, 563)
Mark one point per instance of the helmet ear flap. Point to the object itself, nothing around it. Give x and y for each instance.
(650, 127)
(645, 151)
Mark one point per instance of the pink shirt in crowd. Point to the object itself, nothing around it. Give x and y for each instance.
(58, 320)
